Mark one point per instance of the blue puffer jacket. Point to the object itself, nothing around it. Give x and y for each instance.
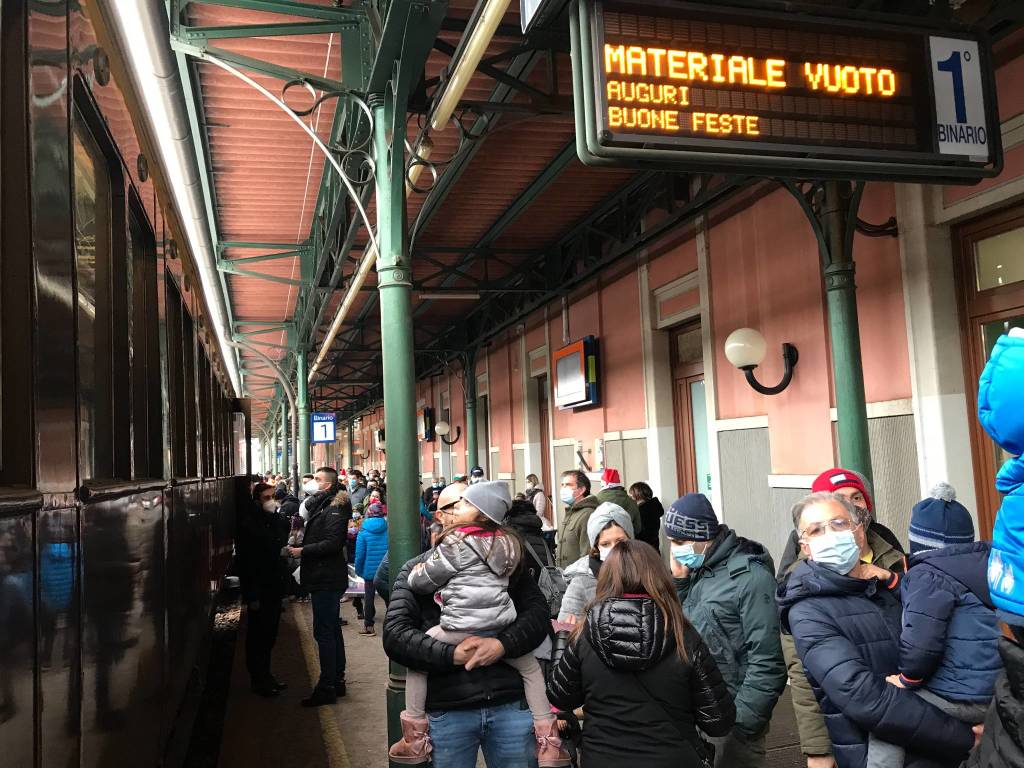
(950, 639)
(1001, 414)
(371, 546)
(847, 635)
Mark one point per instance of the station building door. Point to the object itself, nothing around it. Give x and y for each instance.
(690, 407)
(990, 278)
(541, 382)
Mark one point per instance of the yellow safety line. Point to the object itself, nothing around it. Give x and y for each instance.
(337, 756)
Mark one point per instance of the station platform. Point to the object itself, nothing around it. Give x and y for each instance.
(353, 732)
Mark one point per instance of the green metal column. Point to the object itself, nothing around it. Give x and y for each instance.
(350, 455)
(394, 279)
(284, 439)
(302, 405)
(472, 452)
(841, 292)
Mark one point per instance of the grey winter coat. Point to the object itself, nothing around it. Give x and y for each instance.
(471, 569)
(582, 579)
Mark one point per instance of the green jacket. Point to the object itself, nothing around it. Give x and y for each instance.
(810, 723)
(618, 495)
(572, 542)
(730, 599)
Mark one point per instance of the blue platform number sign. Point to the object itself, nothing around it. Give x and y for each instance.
(322, 427)
(960, 115)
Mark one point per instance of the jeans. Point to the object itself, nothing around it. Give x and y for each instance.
(261, 634)
(369, 609)
(327, 633)
(503, 732)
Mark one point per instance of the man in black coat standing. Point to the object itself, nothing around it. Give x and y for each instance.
(262, 532)
(324, 572)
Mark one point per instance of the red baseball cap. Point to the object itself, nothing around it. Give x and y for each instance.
(831, 480)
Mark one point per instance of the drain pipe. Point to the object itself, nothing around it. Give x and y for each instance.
(139, 29)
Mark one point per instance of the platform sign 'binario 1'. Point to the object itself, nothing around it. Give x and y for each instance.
(717, 88)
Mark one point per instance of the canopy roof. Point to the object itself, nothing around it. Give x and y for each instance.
(511, 220)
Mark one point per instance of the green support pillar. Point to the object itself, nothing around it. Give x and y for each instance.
(831, 208)
(302, 405)
(285, 471)
(838, 217)
(404, 45)
(350, 455)
(394, 279)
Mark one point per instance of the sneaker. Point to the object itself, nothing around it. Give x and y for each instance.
(266, 690)
(368, 631)
(320, 698)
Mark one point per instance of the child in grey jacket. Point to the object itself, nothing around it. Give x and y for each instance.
(469, 570)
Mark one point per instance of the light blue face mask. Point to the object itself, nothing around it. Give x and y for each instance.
(352, 485)
(685, 556)
(836, 550)
(566, 495)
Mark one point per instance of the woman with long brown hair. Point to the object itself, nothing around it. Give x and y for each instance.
(641, 671)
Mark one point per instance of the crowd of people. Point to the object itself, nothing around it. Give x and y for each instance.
(669, 634)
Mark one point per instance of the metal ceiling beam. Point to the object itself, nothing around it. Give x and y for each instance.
(288, 7)
(183, 45)
(228, 267)
(230, 32)
(513, 212)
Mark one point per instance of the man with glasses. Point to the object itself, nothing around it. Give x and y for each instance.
(844, 615)
(878, 546)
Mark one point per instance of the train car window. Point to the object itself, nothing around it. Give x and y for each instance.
(91, 195)
(191, 437)
(145, 360)
(17, 455)
(175, 377)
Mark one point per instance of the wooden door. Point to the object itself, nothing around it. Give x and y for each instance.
(990, 283)
(689, 408)
(541, 382)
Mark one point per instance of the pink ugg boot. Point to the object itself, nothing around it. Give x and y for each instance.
(414, 746)
(550, 753)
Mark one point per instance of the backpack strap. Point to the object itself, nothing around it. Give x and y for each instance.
(536, 557)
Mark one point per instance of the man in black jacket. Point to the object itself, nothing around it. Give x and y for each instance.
(471, 704)
(262, 532)
(324, 572)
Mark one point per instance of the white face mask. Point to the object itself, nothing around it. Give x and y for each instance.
(567, 495)
(311, 486)
(270, 506)
(603, 552)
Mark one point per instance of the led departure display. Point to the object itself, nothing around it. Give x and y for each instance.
(690, 84)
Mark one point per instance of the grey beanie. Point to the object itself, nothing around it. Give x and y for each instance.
(491, 497)
(604, 514)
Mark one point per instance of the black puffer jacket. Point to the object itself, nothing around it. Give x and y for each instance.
(651, 513)
(1003, 743)
(324, 566)
(643, 702)
(450, 686)
(525, 521)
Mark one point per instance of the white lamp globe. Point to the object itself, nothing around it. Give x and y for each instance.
(745, 347)
(442, 428)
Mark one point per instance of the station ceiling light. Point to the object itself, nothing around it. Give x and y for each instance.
(472, 51)
(141, 31)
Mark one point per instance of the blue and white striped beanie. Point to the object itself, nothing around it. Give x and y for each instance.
(940, 520)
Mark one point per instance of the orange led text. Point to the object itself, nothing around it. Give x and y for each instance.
(724, 124)
(641, 61)
(838, 78)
